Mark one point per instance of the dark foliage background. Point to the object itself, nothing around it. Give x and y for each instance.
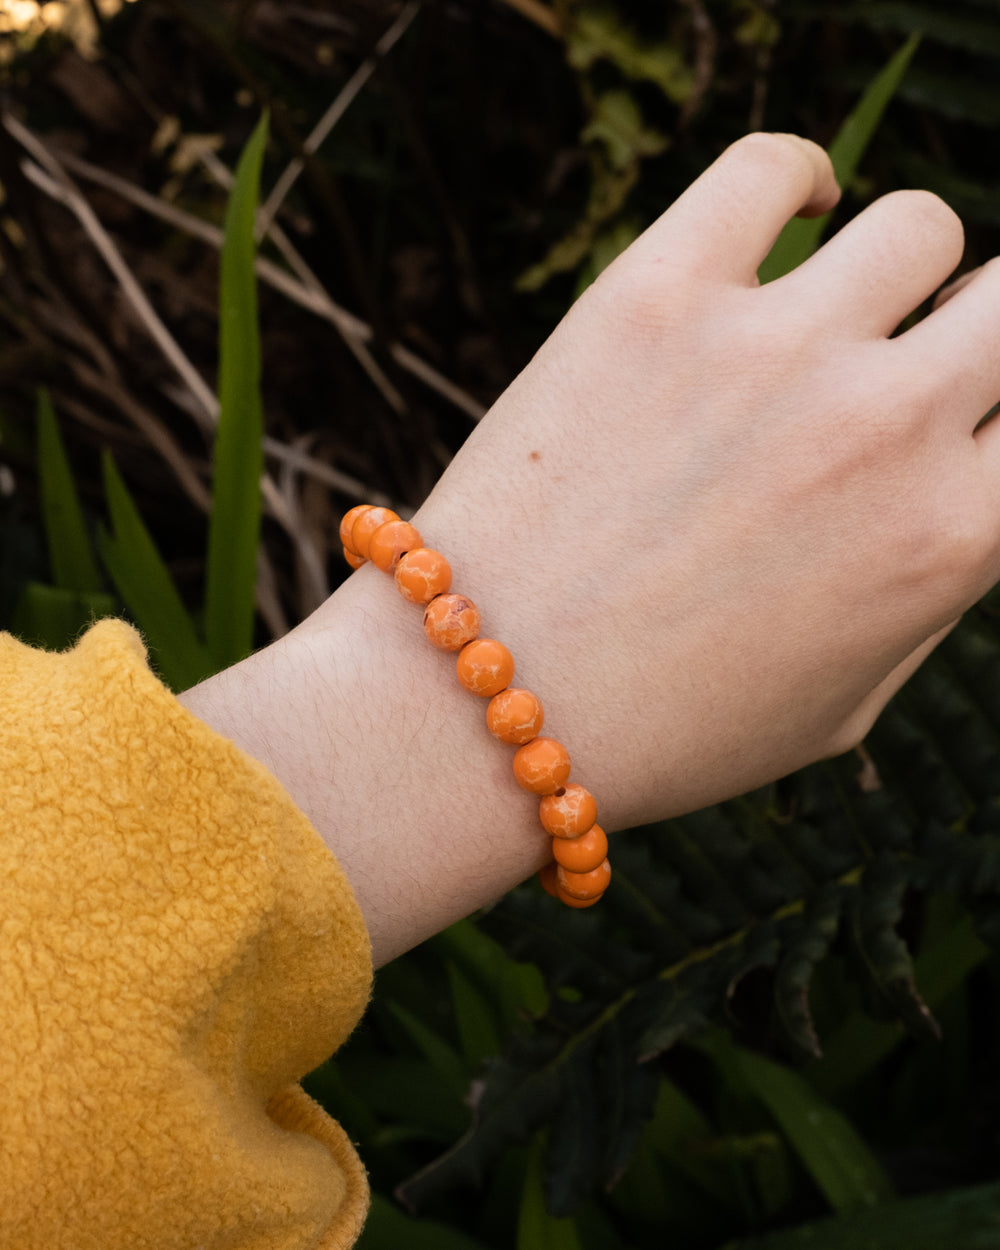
(783, 1017)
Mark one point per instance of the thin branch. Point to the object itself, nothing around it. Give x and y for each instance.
(539, 13)
(111, 389)
(267, 598)
(436, 381)
(223, 176)
(706, 44)
(324, 186)
(333, 115)
(60, 187)
(310, 295)
(57, 184)
(65, 321)
(277, 277)
(313, 584)
(322, 472)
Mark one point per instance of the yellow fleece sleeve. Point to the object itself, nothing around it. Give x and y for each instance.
(178, 948)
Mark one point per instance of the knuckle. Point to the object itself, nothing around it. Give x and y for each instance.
(782, 159)
(770, 147)
(922, 216)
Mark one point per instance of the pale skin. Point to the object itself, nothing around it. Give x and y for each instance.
(717, 524)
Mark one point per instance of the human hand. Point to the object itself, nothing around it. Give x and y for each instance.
(720, 524)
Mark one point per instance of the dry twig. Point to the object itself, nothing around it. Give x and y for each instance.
(706, 45)
(49, 176)
(539, 13)
(333, 114)
(308, 293)
(52, 179)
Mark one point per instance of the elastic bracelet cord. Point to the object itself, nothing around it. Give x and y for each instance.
(579, 872)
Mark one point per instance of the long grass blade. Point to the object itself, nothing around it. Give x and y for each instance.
(147, 589)
(74, 566)
(839, 1161)
(234, 529)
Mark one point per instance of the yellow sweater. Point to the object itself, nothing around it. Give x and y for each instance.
(178, 949)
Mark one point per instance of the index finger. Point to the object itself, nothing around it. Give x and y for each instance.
(726, 222)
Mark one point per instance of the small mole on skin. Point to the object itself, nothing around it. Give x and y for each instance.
(535, 455)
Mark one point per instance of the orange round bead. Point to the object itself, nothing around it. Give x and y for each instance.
(450, 621)
(584, 884)
(390, 541)
(571, 901)
(353, 559)
(582, 854)
(515, 716)
(422, 575)
(541, 766)
(347, 524)
(366, 525)
(485, 667)
(547, 876)
(569, 812)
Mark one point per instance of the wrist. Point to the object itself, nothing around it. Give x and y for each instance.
(370, 733)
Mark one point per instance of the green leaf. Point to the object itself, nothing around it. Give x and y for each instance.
(147, 589)
(477, 1024)
(600, 34)
(516, 991)
(838, 1160)
(965, 1218)
(234, 528)
(442, 1057)
(597, 1124)
(516, 1098)
(617, 124)
(678, 1130)
(884, 963)
(74, 567)
(536, 1229)
(803, 951)
(861, 1043)
(52, 617)
(801, 236)
(621, 140)
(759, 28)
(403, 1091)
(678, 1178)
(698, 903)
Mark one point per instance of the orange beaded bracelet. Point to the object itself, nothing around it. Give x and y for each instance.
(579, 872)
